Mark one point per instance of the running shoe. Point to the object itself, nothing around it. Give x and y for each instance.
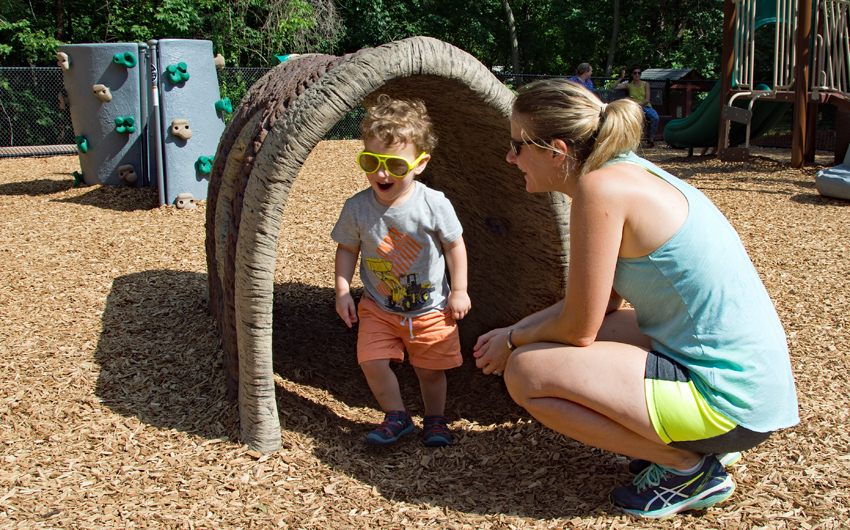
(659, 492)
(395, 425)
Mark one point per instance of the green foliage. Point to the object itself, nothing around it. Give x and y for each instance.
(33, 45)
(554, 35)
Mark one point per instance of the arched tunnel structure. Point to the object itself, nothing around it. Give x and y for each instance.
(517, 242)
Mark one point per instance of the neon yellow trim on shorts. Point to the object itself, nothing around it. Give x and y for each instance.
(680, 413)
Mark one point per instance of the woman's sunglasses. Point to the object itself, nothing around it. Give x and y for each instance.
(395, 165)
(516, 146)
(636, 72)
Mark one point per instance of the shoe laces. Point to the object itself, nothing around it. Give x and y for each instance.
(650, 477)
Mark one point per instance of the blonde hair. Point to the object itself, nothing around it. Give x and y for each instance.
(399, 121)
(556, 109)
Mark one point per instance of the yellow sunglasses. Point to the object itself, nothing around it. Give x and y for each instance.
(395, 165)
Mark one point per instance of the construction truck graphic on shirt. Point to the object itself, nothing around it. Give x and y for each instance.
(401, 288)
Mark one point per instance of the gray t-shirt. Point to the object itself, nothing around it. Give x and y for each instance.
(401, 256)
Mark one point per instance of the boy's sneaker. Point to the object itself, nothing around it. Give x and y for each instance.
(395, 425)
(436, 432)
(659, 492)
(726, 459)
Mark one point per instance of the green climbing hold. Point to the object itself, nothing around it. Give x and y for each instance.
(177, 73)
(204, 164)
(224, 105)
(125, 124)
(127, 59)
(82, 144)
(78, 179)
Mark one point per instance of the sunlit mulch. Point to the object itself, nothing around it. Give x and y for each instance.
(112, 410)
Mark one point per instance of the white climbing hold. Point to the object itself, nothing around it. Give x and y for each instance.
(185, 201)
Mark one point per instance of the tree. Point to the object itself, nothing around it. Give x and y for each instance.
(514, 42)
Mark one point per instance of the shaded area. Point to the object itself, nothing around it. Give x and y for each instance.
(160, 362)
(118, 198)
(35, 188)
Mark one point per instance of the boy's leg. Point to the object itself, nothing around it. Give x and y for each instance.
(378, 344)
(432, 383)
(384, 384)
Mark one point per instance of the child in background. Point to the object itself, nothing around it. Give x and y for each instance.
(406, 234)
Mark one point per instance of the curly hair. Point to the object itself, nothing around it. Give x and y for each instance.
(399, 121)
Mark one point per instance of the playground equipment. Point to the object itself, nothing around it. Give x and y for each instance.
(802, 26)
(132, 131)
(702, 129)
(271, 133)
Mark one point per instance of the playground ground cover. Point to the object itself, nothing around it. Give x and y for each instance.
(113, 410)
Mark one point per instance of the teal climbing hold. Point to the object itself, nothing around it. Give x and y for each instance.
(224, 105)
(82, 144)
(177, 73)
(125, 124)
(78, 178)
(127, 59)
(204, 164)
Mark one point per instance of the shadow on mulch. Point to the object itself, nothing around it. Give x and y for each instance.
(819, 200)
(35, 188)
(312, 346)
(159, 354)
(118, 198)
(160, 361)
(488, 470)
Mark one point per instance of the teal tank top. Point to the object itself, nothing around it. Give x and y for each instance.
(701, 301)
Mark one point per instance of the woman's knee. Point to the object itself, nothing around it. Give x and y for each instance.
(520, 373)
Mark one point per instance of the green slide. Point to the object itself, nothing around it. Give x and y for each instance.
(702, 128)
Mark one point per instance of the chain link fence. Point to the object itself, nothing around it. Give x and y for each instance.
(32, 123)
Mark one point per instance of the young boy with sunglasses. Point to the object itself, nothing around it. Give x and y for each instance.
(406, 235)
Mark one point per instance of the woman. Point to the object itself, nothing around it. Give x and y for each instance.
(640, 92)
(582, 77)
(698, 370)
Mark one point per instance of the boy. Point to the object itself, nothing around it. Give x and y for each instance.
(407, 234)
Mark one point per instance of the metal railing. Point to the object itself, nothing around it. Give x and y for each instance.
(832, 47)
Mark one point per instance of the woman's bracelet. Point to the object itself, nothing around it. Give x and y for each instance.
(511, 345)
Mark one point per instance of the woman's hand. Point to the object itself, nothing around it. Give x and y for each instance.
(492, 352)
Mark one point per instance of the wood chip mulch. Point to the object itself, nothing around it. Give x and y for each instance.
(113, 410)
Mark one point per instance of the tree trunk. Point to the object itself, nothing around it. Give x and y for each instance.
(59, 11)
(514, 41)
(614, 32)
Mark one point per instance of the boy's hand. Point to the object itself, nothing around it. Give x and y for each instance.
(346, 309)
(458, 304)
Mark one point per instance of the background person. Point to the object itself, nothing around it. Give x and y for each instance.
(698, 369)
(582, 77)
(640, 92)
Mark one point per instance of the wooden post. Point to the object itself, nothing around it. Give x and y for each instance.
(726, 65)
(801, 83)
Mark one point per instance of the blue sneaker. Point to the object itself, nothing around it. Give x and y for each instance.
(726, 459)
(395, 425)
(436, 432)
(659, 492)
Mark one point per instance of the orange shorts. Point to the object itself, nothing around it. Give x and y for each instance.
(382, 335)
